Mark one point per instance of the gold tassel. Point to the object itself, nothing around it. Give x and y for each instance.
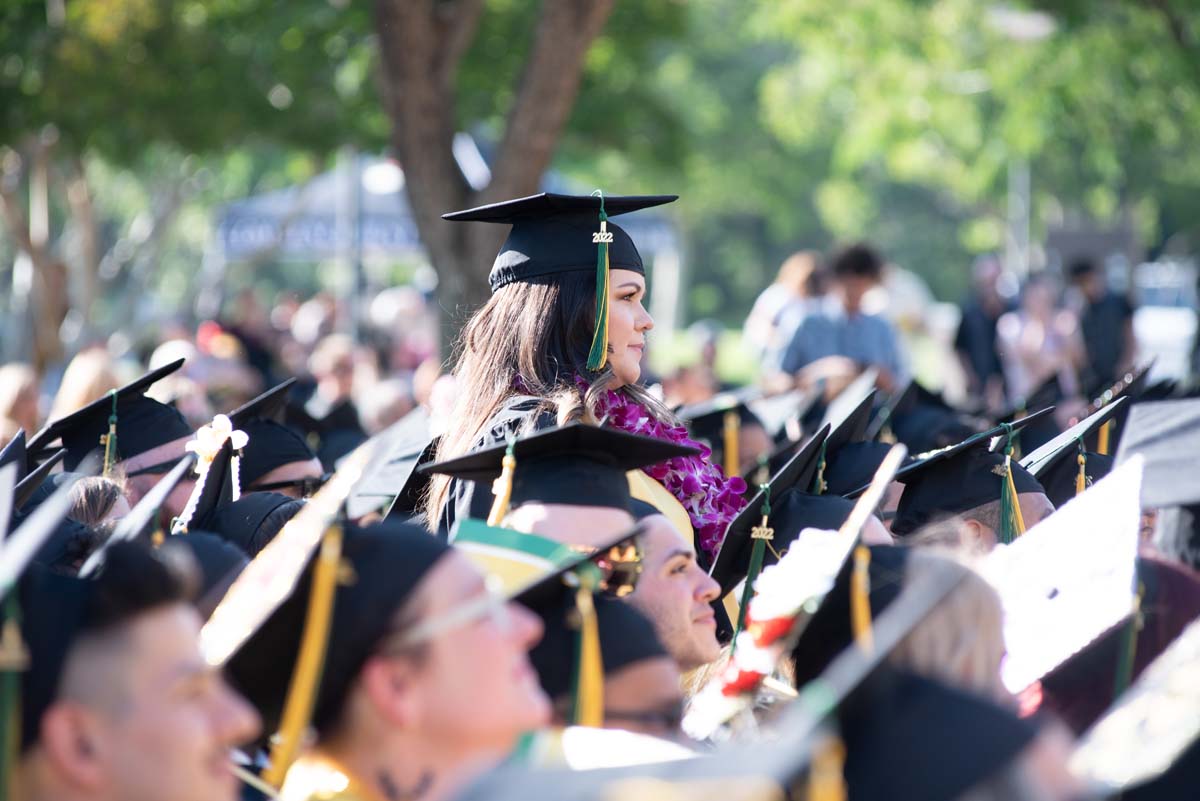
(1102, 438)
(109, 440)
(733, 426)
(826, 780)
(589, 669)
(502, 487)
(860, 599)
(1081, 478)
(302, 692)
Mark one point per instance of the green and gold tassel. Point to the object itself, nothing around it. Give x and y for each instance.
(761, 535)
(1128, 650)
(598, 355)
(819, 486)
(1012, 525)
(1081, 477)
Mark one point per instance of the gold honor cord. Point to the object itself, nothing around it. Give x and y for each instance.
(306, 677)
(733, 427)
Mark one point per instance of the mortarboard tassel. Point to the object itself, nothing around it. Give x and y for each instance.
(14, 660)
(733, 427)
(860, 599)
(1081, 477)
(587, 708)
(819, 486)
(1102, 438)
(826, 777)
(1128, 650)
(761, 535)
(502, 486)
(310, 660)
(1012, 525)
(598, 355)
(109, 440)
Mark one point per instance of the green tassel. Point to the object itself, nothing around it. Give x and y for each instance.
(109, 440)
(761, 534)
(598, 355)
(14, 662)
(819, 486)
(1128, 650)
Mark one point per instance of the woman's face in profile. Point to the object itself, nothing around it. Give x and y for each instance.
(628, 323)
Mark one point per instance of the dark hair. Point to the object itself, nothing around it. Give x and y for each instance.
(1081, 266)
(534, 334)
(134, 579)
(858, 260)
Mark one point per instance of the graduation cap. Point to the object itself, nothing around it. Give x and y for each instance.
(130, 422)
(577, 464)
(28, 486)
(718, 422)
(391, 480)
(1167, 435)
(218, 447)
(1148, 740)
(733, 559)
(1063, 466)
(14, 452)
(921, 419)
(848, 401)
(218, 562)
(1069, 579)
(965, 476)
(40, 610)
(252, 520)
(272, 443)
(776, 412)
(554, 234)
(850, 428)
(624, 634)
(269, 583)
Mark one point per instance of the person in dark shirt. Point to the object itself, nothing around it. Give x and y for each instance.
(1106, 320)
(975, 341)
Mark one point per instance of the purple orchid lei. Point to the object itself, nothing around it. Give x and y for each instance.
(711, 498)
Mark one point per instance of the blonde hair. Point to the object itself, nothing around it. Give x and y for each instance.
(799, 271)
(88, 376)
(961, 642)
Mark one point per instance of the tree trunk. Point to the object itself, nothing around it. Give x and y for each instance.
(422, 43)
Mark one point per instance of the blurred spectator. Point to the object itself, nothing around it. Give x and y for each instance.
(975, 342)
(1039, 341)
(18, 400)
(385, 403)
(796, 282)
(842, 328)
(1106, 322)
(687, 386)
(88, 376)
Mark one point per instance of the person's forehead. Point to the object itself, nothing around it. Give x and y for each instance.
(159, 453)
(164, 645)
(453, 579)
(660, 538)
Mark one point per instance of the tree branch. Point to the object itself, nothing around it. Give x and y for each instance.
(457, 23)
(546, 94)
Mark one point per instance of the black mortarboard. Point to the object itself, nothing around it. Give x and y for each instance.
(922, 420)
(578, 464)
(35, 479)
(388, 560)
(733, 558)
(957, 479)
(1056, 464)
(552, 234)
(848, 471)
(391, 479)
(1131, 385)
(1069, 579)
(267, 406)
(713, 421)
(247, 521)
(270, 445)
(14, 453)
(142, 423)
(626, 637)
(217, 560)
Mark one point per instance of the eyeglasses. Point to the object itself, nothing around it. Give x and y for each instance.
(620, 567)
(157, 469)
(307, 486)
(668, 718)
(491, 603)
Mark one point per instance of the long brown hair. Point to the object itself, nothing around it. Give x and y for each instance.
(530, 338)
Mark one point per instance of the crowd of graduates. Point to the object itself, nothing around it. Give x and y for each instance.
(539, 576)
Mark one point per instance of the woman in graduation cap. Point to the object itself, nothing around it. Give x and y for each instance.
(562, 338)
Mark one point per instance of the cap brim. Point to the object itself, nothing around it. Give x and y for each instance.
(549, 204)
